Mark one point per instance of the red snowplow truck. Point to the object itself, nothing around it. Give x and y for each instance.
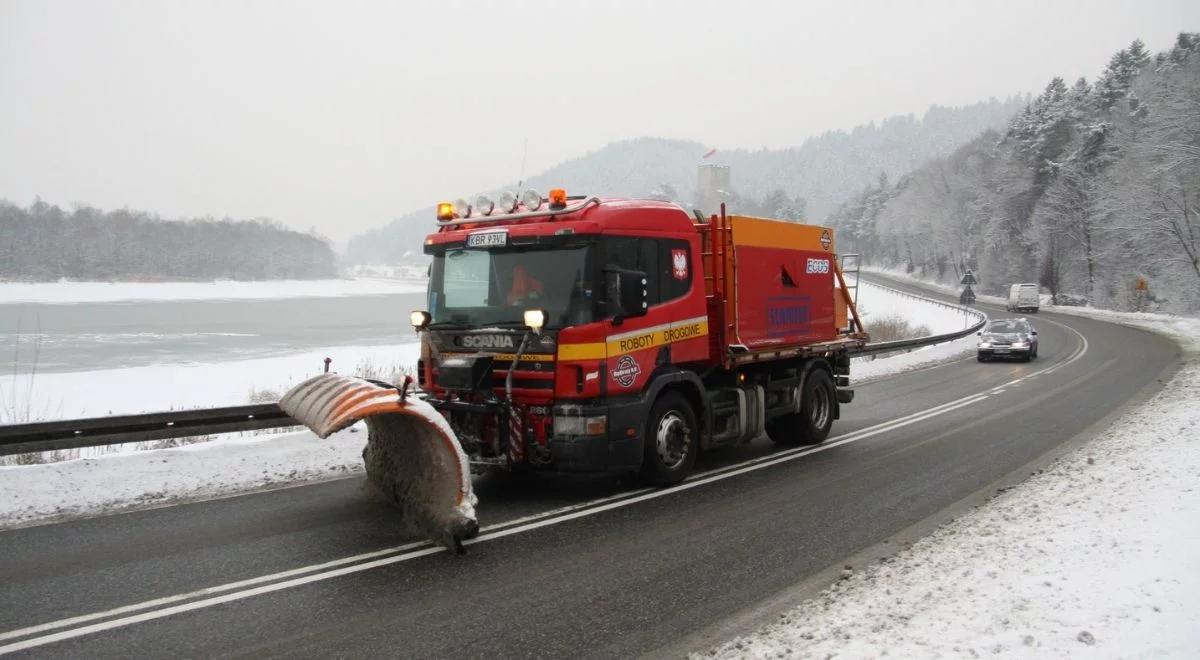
(582, 334)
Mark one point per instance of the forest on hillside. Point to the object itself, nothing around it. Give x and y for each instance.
(805, 181)
(44, 243)
(1093, 191)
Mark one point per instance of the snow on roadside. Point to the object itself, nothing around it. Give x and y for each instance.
(865, 370)
(67, 292)
(879, 302)
(119, 482)
(1094, 556)
(882, 302)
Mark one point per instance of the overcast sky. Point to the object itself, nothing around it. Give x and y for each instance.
(342, 116)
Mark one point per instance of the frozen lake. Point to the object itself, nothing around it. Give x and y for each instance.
(82, 349)
(106, 335)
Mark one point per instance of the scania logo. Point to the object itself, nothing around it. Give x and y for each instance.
(486, 341)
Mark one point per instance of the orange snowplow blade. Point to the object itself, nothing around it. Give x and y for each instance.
(412, 457)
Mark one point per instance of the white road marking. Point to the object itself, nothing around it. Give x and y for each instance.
(388, 556)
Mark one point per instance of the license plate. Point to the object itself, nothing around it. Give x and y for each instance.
(486, 239)
(1000, 350)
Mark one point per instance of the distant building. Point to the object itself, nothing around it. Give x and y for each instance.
(713, 185)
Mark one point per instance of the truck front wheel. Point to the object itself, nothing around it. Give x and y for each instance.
(671, 441)
(811, 425)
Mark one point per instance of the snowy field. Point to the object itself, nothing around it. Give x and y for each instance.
(80, 292)
(1093, 557)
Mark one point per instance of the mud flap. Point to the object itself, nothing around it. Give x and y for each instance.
(412, 457)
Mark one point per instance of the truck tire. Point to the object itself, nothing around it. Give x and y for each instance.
(811, 425)
(671, 441)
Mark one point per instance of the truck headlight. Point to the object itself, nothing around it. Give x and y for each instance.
(419, 319)
(535, 319)
(566, 425)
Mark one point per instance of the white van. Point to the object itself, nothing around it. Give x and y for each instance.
(1022, 298)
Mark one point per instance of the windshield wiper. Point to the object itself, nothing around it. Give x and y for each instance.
(447, 324)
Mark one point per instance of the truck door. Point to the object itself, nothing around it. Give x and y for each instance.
(675, 326)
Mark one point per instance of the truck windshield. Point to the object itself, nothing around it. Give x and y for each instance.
(476, 288)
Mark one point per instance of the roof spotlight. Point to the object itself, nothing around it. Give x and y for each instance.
(507, 203)
(461, 208)
(531, 200)
(484, 205)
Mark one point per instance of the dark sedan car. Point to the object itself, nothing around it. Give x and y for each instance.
(1008, 338)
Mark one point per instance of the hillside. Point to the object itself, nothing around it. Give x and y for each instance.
(823, 171)
(1093, 191)
(45, 243)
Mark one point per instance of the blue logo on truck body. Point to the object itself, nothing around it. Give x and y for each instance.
(788, 315)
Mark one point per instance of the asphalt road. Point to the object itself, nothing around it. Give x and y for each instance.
(566, 567)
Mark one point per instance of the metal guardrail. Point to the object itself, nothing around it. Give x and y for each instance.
(120, 429)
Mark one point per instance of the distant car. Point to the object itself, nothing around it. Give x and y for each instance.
(1008, 338)
(1022, 298)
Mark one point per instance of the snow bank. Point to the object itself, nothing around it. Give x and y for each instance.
(881, 302)
(108, 484)
(1094, 556)
(863, 370)
(878, 302)
(106, 292)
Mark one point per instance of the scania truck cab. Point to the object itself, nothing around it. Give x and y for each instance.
(588, 334)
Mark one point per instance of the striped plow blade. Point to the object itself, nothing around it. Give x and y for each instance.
(412, 457)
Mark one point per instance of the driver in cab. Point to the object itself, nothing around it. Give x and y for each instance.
(525, 287)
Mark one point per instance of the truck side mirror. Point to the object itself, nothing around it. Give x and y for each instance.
(626, 293)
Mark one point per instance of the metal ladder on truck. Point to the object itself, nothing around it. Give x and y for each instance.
(850, 266)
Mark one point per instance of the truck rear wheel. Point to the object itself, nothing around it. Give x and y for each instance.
(671, 441)
(811, 425)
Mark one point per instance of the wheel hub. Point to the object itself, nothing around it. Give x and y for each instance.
(819, 407)
(673, 439)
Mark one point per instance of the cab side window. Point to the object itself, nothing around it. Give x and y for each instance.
(637, 254)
